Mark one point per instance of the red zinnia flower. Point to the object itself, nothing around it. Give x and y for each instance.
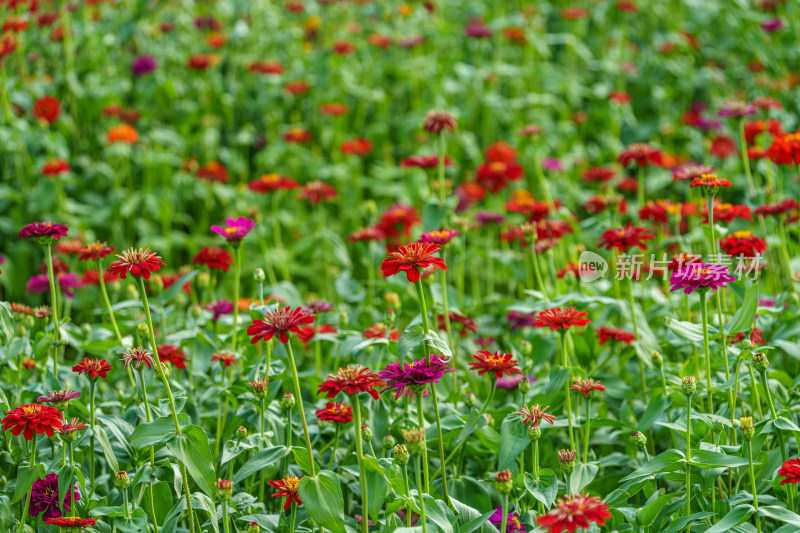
(495, 175)
(641, 154)
(790, 471)
(225, 359)
(497, 362)
(742, 244)
(562, 317)
(625, 238)
(318, 191)
(359, 147)
(167, 353)
(709, 181)
(398, 219)
(214, 257)
(343, 48)
(611, 334)
(202, 61)
(575, 513)
(137, 357)
(95, 251)
(297, 87)
(43, 230)
(55, 167)
(781, 207)
(122, 133)
(534, 414)
(465, 323)
(297, 135)
(266, 67)
(690, 171)
(213, 171)
(287, 488)
(352, 380)
(437, 121)
(587, 386)
(410, 259)
(32, 418)
(73, 522)
(370, 233)
(47, 108)
(378, 331)
(333, 109)
(139, 262)
(280, 322)
(722, 146)
(337, 412)
(728, 212)
(272, 182)
(95, 368)
(598, 174)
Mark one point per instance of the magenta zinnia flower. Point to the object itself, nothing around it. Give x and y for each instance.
(44, 498)
(219, 308)
(411, 378)
(280, 323)
(700, 277)
(143, 65)
(44, 231)
(235, 229)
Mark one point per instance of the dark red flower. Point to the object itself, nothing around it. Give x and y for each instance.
(139, 262)
(781, 207)
(410, 259)
(370, 233)
(95, 251)
(297, 135)
(790, 471)
(378, 331)
(722, 146)
(611, 334)
(425, 161)
(534, 414)
(225, 359)
(272, 182)
(280, 322)
(397, 220)
(709, 182)
(94, 368)
(359, 147)
(641, 154)
(214, 257)
(495, 175)
(73, 522)
(587, 386)
(742, 244)
(47, 108)
(562, 317)
(43, 230)
(625, 238)
(212, 171)
(437, 121)
(318, 191)
(55, 167)
(498, 363)
(575, 512)
(352, 380)
(756, 337)
(728, 212)
(287, 488)
(602, 174)
(690, 171)
(32, 419)
(167, 353)
(337, 412)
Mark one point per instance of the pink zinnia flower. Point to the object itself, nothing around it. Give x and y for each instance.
(235, 229)
(700, 277)
(412, 378)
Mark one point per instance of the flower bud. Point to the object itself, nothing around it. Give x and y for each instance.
(658, 359)
(288, 401)
(156, 284)
(760, 362)
(344, 319)
(241, 433)
(415, 440)
(203, 280)
(392, 299)
(224, 489)
(143, 330)
(524, 385)
(366, 434)
(197, 311)
(133, 292)
(534, 432)
(638, 439)
(3, 481)
(166, 369)
(401, 455)
(388, 442)
(28, 321)
(747, 427)
(28, 363)
(122, 480)
(504, 482)
(253, 528)
(20, 330)
(526, 348)
(389, 317)
(567, 460)
(469, 399)
(689, 386)
(259, 277)
(746, 344)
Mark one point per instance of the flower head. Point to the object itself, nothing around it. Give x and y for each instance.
(122, 133)
(689, 171)
(413, 378)
(94, 368)
(699, 276)
(352, 380)
(379, 330)
(512, 521)
(497, 362)
(143, 64)
(44, 232)
(641, 154)
(437, 121)
(272, 182)
(225, 359)
(790, 471)
(625, 238)
(32, 418)
(235, 229)
(137, 262)
(214, 257)
(55, 167)
(167, 353)
(561, 317)
(44, 498)
(67, 431)
(95, 251)
(260, 386)
(138, 357)
(575, 512)
(47, 109)
(219, 308)
(287, 488)
(710, 183)
(280, 322)
(440, 236)
(410, 259)
(59, 398)
(617, 335)
(587, 386)
(736, 109)
(71, 523)
(534, 414)
(337, 412)
(742, 244)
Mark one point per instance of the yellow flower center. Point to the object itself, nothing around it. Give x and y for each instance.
(742, 234)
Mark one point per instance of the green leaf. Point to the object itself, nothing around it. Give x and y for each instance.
(201, 501)
(709, 459)
(475, 523)
(412, 337)
(581, 476)
(680, 524)
(742, 320)
(738, 514)
(26, 475)
(137, 523)
(322, 499)
(435, 511)
(6, 516)
(301, 458)
(667, 461)
(785, 424)
(108, 451)
(781, 514)
(377, 489)
(167, 295)
(6, 321)
(154, 433)
(260, 461)
(647, 514)
(558, 376)
(545, 489)
(513, 439)
(653, 412)
(191, 449)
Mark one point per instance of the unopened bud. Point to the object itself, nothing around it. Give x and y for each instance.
(224, 489)
(388, 442)
(253, 528)
(524, 385)
(526, 347)
(122, 480)
(156, 283)
(469, 399)
(760, 362)
(143, 330)
(203, 280)
(392, 299)
(197, 311)
(689, 386)
(259, 276)
(366, 433)
(504, 482)
(746, 344)
(638, 439)
(534, 432)
(389, 317)
(747, 427)
(20, 330)
(401, 454)
(288, 401)
(344, 319)
(166, 369)
(658, 359)
(567, 460)
(241, 433)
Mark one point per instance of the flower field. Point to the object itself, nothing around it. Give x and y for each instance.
(368, 266)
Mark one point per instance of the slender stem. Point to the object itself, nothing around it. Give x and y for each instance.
(440, 172)
(565, 356)
(237, 269)
(293, 516)
(704, 311)
(92, 389)
(772, 411)
(408, 494)
(504, 512)
(419, 490)
(745, 158)
(111, 316)
(537, 272)
(262, 409)
(753, 484)
(335, 446)
(586, 433)
(688, 456)
(300, 408)
(536, 460)
(756, 396)
(54, 303)
(70, 491)
(427, 331)
(636, 333)
(126, 508)
(360, 457)
(31, 462)
(421, 422)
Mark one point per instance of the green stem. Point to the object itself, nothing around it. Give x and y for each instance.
(262, 416)
(745, 158)
(586, 433)
(293, 516)
(504, 513)
(111, 316)
(31, 462)
(408, 494)
(537, 272)
(688, 456)
(54, 302)
(772, 411)
(225, 517)
(753, 484)
(300, 408)
(335, 446)
(756, 396)
(421, 422)
(440, 172)
(92, 387)
(565, 356)
(360, 457)
(636, 333)
(704, 311)
(419, 489)
(237, 268)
